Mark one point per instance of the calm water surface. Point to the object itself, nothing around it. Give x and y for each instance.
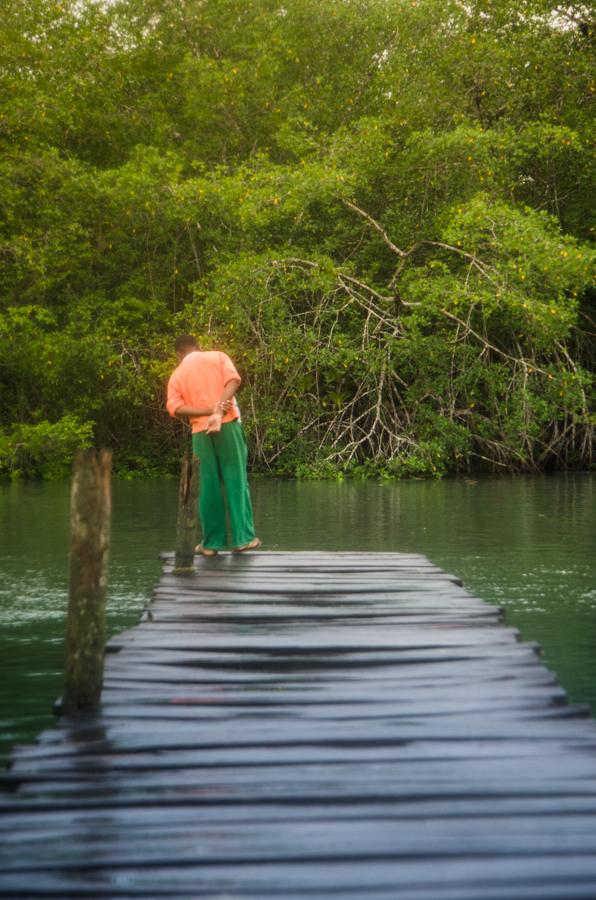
(525, 543)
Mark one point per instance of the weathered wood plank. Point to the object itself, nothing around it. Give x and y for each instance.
(468, 671)
(328, 875)
(188, 812)
(257, 731)
(483, 752)
(42, 840)
(355, 780)
(379, 696)
(327, 638)
(312, 841)
(312, 603)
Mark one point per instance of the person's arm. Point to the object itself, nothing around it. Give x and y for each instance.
(175, 401)
(177, 406)
(223, 404)
(225, 401)
(192, 411)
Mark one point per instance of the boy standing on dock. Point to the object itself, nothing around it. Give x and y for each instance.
(203, 387)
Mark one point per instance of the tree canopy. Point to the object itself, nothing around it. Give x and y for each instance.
(379, 208)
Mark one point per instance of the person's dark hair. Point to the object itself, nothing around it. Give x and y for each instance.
(185, 342)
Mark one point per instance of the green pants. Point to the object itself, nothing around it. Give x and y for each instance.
(222, 480)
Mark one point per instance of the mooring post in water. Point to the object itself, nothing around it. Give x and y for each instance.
(186, 536)
(90, 514)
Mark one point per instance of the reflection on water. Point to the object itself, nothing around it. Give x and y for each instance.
(525, 543)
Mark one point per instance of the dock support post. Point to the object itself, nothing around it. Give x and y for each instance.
(90, 515)
(186, 536)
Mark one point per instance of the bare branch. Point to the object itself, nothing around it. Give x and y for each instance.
(378, 228)
(488, 346)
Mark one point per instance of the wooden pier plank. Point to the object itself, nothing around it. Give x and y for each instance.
(422, 877)
(311, 724)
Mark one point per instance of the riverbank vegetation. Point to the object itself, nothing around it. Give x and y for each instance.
(380, 209)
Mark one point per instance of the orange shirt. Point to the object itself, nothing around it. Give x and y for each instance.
(199, 381)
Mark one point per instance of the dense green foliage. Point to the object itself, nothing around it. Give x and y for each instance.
(379, 208)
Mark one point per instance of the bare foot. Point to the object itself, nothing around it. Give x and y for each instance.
(252, 545)
(205, 551)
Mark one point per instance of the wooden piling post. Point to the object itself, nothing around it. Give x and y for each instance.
(186, 536)
(90, 515)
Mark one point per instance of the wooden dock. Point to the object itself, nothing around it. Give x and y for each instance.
(329, 726)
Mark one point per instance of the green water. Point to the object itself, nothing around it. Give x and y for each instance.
(525, 543)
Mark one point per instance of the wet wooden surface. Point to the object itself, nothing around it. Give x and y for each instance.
(310, 725)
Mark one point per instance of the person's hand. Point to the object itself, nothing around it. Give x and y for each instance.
(214, 422)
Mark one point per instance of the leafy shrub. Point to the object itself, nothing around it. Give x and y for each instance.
(44, 450)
